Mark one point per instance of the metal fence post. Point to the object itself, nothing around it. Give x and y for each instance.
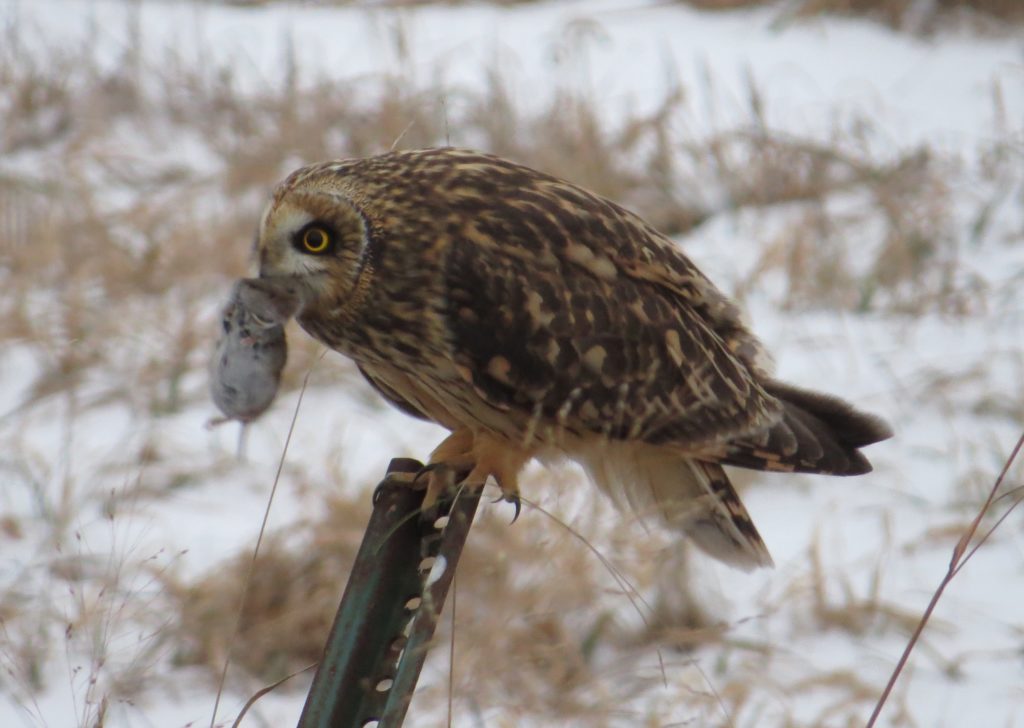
(388, 613)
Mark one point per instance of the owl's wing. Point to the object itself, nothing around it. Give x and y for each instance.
(391, 395)
(597, 346)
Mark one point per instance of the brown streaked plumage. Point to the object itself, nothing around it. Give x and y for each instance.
(533, 318)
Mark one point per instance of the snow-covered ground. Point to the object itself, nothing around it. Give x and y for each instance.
(815, 73)
(950, 385)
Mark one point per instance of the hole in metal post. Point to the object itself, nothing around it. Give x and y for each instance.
(384, 685)
(441, 522)
(413, 603)
(427, 564)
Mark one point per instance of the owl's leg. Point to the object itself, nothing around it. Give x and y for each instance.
(457, 448)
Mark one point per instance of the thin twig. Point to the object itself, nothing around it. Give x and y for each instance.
(402, 134)
(999, 521)
(264, 690)
(451, 650)
(259, 542)
(714, 692)
(631, 592)
(955, 565)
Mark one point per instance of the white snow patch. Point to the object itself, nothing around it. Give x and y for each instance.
(437, 570)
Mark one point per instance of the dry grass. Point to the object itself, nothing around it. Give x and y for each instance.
(110, 249)
(116, 221)
(912, 16)
(893, 11)
(998, 17)
(917, 17)
(291, 599)
(530, 641)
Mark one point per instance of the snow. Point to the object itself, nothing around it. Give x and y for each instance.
(815, 77)
(437, 570)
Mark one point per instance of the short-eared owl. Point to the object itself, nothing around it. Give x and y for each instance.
(533, 318)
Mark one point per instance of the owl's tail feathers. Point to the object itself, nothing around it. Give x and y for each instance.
(690, 496)
(817, 433)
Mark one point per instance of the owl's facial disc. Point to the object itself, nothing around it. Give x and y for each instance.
(314, 238)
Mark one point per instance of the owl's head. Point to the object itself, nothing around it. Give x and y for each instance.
(313, 235)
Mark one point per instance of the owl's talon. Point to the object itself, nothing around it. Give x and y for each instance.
(425, 470)
(514, 499)
(440, 479)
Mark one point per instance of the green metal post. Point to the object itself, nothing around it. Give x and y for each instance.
(390, 607)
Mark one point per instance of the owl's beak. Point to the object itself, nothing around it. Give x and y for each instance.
(274, 299)
(268, 265)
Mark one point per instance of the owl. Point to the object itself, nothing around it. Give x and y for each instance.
(535, 319)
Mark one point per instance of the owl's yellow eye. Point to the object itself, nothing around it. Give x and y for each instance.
(316, 240)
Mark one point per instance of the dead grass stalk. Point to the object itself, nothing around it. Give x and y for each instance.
(962, 553)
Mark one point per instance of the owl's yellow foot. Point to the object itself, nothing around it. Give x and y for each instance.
(482, 456)
(438, 478)
(496, 458)
(449, 460)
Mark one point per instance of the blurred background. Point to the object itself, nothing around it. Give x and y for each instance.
(852, 171)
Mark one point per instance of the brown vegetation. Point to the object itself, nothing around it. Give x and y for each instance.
(110, 251)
